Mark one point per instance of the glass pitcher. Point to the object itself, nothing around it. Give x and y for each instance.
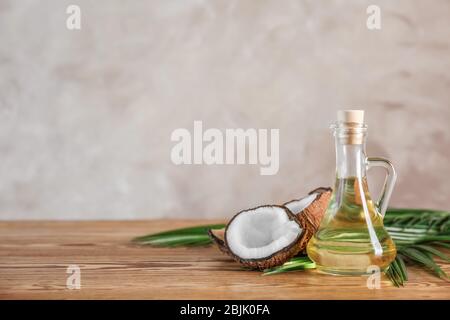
(351, 238)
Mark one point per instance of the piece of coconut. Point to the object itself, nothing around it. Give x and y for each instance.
(268, 236)
(313, 206)
(310, 211)
(263, 237)
(297, 206)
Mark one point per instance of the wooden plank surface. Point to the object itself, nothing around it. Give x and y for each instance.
(34, 257)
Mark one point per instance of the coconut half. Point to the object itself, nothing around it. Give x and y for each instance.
(268, 236)
(310, 211)
(313, 205)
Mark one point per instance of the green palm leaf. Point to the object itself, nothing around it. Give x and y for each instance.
(296, 263)
(397, 272)
(422, 258)
(433, 251)
(441, 244)
(192, 236)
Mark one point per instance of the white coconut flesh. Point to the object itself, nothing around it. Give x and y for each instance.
(261, 232)
(297, 206)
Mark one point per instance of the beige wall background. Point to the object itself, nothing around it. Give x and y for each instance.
(86, 116)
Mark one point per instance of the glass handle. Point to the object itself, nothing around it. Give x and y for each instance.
(389, 182)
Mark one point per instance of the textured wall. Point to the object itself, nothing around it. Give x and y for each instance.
(86, 116)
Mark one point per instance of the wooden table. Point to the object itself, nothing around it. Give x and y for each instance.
(34, 257)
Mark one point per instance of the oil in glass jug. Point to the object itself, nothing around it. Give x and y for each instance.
(351, 238)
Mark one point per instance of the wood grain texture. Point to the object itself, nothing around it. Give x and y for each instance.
(34, 257)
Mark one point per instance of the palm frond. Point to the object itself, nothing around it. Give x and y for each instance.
(431, 250)
(417, 233)
(192, 236)
(397, 272)
(423, 258)
(417, 219)
(296, 263)
(441, 244)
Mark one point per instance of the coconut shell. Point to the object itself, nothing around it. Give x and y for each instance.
(218, 237)
(276, 259)
(316, 210)
(312, 215)
(321, 190)
(308, 219)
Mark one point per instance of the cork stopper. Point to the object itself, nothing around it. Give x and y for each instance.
(350, 127)
(351, 116)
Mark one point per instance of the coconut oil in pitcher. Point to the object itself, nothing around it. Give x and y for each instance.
(351, 238)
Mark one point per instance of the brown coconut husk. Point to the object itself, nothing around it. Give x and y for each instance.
(312, 215)
(316, 210)
(218, 237)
